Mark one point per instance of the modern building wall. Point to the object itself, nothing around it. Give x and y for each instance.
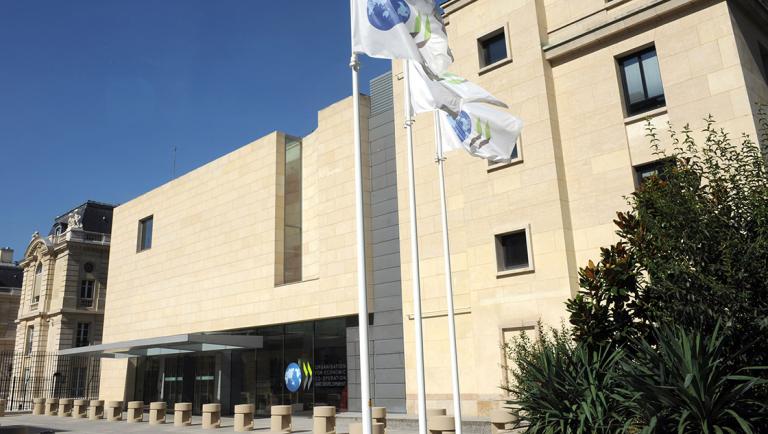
(579, 151)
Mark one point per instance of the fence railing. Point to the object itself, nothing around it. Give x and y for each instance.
(46, 375)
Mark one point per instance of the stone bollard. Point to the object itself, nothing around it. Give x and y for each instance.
(38, 408)
(281, 419)
(114, 411)
(500, 421)
(324, 420)
(211, 416)
(441, 425)
(95, 409)
(65, 407)
(135, 411)
(436, 412)
(51, 406)
(79, 408)
(182, 414)
(244, 417)
(357, 428)
(379, 415)
(2, 407)
(157, 413)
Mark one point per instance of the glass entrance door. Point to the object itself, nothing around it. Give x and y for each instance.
(204, 381)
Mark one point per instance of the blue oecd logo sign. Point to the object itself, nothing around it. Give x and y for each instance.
(293, 377)
(385, 14)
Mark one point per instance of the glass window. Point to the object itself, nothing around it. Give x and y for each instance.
(493, 48)
(655, 168)
(145, 234)
(641, 80)
(86, 292)
(37, 284)
(292, 217)
(512, 251)
(30, 339)
(82, 334)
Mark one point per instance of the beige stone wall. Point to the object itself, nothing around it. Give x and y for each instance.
(9, 308)
(212, 265)
(578, 149)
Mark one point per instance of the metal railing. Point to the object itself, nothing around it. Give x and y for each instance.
(46, 375)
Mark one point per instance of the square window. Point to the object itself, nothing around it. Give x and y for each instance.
(145, 234)
(654, 168)
(493, 48)
(641, 82)
(512, 251)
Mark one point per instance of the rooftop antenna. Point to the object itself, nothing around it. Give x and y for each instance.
(173, 174)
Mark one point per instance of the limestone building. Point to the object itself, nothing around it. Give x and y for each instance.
(236, 282)
(10, 293)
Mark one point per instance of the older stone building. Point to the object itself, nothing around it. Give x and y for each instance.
(228, 278)
(10, 292)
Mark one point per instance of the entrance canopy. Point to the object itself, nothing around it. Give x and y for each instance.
(166, 345)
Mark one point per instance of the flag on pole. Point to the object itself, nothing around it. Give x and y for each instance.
(401, 29)
(445, 92)
(483, 131)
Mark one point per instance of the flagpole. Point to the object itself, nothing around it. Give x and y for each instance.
(448, 280)
(362, 285)
(415, 272)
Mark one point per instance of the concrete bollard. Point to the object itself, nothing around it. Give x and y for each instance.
(95, 409)
(441, 425)
(501, 421)
(38, 406)
(79, 408)
(157, 413)
(280, 420)
(135, 411)
(2, 407)
(244, 417)
(379, 415)
(436, 412)
(357, 428)
(182, 414)
(51, 406)
(211, 416)
(65, 407)
(324, 420)
(114, 411)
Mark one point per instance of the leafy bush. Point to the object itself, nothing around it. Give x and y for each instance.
(560, 387)
(684, 385)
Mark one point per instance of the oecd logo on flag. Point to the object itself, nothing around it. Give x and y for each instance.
(385, 14)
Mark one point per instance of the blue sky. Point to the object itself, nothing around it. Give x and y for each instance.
(94, 94)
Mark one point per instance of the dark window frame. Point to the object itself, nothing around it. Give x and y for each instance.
(80, 340)
(483, 52)
(647, 103)
(501, 266)
(83, 300)
(656, 166)
(141, 242)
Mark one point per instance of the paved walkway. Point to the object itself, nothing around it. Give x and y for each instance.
(41, 424)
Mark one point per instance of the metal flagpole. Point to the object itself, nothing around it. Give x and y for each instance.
(415, 273)
(448, 280)
(362, 291)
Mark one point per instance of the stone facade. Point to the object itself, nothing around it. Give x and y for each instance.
(10, 295)
(579, 149)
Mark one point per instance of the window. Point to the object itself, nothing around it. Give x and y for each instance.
(654, 168)
(82, 335)
(493, 48)
(145, 234)
(292, 213)
(641, 82)
(764, 61)
(515, 158)
(30, 339)
(86, 292)
(37, 284)
(513, 251)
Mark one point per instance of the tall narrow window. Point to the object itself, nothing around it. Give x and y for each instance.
(86, 292)
(641, 80)
(145, 234)
(29, 340)
(37, 285)
(292, 213)
(83, 334)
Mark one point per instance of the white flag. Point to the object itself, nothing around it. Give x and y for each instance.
(483, 131)
(401, 29)
(446, 92)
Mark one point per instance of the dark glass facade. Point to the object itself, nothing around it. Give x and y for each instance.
(256, 376)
